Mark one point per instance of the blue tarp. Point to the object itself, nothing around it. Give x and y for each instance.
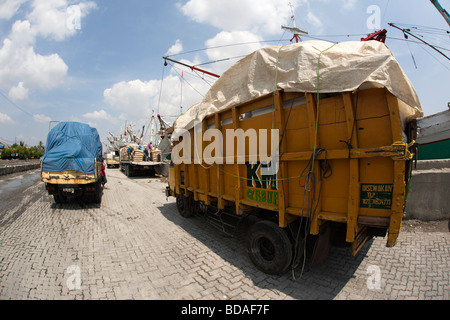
(72, 146)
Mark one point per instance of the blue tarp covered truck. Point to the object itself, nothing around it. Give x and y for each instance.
(72, 163)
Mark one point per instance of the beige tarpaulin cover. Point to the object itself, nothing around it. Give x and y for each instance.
(344, 67)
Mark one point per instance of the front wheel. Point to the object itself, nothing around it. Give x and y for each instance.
(269, 247)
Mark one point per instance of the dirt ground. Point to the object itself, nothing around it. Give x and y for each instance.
(425, 226)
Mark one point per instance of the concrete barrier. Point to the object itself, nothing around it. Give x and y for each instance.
(13, 167)
(429, 195)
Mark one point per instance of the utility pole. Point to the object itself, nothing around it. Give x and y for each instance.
(443, 12)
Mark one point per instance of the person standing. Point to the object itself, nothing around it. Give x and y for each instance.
(104, 180)
(147, 151)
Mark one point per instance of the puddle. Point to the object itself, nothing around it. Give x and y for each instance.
(18, 183)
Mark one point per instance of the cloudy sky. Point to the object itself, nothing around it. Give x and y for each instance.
(100, 61)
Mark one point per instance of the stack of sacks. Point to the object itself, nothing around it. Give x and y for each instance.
(137, 155)
(156, 155)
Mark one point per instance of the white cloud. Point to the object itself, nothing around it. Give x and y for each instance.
(19, 63)
(56, 18)
(315, 22)
(8, 8)
(22, 35)
(137, 99)
(101, 115)
(349, 4)
(229, 45)
(4, 118)
(18, 93)
(176, 48)
(134, 97)
(42, 118)
(258, 16)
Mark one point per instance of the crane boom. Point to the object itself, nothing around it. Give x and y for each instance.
(407, 31)
(191, 67)
(443, 12)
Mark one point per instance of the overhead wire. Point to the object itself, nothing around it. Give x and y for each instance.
(440, 62)
(203, 78)
(175, 69)
(436, 34)
(430, 29)
(220, 60)
(15, 105)
(407, 32)
(415, 42)
(224, 46)
(412, 55)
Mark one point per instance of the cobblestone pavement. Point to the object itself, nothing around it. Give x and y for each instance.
(137, 246)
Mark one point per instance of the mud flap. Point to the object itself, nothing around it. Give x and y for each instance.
(361, 238)
(322, 246)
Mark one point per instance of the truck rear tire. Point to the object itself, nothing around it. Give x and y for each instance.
(98, 193)
(269, 247)
(185, 205)
(59, 198)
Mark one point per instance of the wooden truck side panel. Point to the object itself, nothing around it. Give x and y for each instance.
(361, 141)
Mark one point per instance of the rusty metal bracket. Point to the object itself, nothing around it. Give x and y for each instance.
(407, 155)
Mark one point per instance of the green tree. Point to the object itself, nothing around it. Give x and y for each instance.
(21, 151)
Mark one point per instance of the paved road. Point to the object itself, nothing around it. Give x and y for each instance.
(136, 246)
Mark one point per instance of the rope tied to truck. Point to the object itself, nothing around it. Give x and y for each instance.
(310, 183)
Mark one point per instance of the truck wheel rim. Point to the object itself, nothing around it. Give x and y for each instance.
(266, 249)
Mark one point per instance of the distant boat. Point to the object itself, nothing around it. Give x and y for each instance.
(434, 136)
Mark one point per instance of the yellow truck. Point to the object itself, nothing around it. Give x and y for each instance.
(314, 140)
(71, 166)
(113, 160)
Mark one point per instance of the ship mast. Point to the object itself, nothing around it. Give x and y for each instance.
(443, 12)
(296, 31)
